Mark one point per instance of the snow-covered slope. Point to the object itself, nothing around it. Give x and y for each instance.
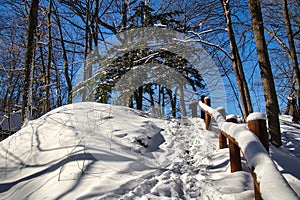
(97, 151)
(287, 157)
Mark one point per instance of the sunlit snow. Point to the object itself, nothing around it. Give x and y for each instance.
(98, 151)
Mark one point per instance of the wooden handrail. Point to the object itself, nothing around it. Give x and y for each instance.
(252, 142)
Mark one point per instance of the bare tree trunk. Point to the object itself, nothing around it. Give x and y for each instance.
(32, 24)
(292, 48)
(292, 108)
(97, 29)
(272, 107)
(288, 105)
(86, 50)
(163, 102)
(173, 101)
(9, 105)
(49, 58)
(7, 101)
(139, 98)
(237, 63)
(124, 13)
(89, 64)
(150, 92)
(44, 77)
(159, 96)
(182, 103)
(130, 102)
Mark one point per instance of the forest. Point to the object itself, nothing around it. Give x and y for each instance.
(47, 44)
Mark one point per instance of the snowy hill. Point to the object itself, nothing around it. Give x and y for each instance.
(98, 151)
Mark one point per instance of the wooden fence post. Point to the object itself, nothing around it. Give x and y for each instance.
(207, 116)
(222, 141)
(257, 195)
(222, 138)
(257, 124)
(202, 111)
(235, 157)
(234, 150)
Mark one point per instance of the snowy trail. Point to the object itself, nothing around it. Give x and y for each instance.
(171, 179)
(97, 151)
(178, 177)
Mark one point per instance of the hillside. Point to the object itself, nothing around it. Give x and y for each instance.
(98, 151)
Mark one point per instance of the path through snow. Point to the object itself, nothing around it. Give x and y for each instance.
(97, 151)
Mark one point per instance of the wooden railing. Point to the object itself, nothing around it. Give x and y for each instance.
(252, 141)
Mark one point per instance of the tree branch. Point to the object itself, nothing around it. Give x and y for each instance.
(273, 34)
(209, 43)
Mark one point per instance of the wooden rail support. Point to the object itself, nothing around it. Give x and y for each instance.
(258, 126)
(222, 140)
(234, 150)
(235, 157)
(207, 116)
(257, 194)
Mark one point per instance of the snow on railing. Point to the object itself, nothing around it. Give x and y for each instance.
(252, 141)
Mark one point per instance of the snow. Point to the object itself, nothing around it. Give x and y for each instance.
(256, 116)
(98, 151)
(160, 25)
(272, 183)
(231, 116)
(221, 110)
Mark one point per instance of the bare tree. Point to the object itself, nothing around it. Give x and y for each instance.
(272, 107)
(32, 24)
(237, 63)
(292, 50)
(48, 75)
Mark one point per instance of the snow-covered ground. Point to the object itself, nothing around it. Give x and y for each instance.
(97, 151)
